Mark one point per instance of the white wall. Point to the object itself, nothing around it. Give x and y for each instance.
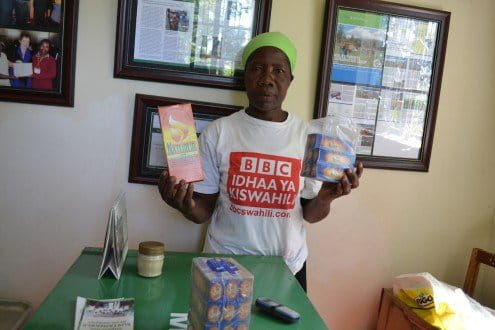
(60, 169)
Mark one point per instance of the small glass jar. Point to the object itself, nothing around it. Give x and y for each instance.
(150, 259)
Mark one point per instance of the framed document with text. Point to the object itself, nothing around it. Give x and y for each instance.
(147, 150)
(382, 66)
(196, 42)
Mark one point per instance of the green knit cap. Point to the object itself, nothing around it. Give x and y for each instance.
(273, 39)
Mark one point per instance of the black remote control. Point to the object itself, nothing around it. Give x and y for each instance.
(279, 311)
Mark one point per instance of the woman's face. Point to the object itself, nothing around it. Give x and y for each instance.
(25, 42)
(267, 78)
(44, 48)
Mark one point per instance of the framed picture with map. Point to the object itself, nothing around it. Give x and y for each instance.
(381, 65)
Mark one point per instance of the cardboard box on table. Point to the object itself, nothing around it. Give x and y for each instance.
(221, 294)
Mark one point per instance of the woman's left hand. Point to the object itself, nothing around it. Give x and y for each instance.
(333, 190)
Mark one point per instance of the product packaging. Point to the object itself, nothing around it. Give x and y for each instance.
(442, 305)
(221, 294)
(180, 142)
(329, 148)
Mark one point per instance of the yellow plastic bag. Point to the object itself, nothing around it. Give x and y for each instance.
(442, 305)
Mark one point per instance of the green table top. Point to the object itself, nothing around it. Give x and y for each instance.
(157, 298)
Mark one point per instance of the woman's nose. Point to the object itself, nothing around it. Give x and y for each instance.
(266, 77)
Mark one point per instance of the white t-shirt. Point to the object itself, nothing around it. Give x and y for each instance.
(255, 166)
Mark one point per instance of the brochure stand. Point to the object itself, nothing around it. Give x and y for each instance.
(115, 246)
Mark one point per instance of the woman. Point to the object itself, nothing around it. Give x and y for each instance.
(23, 55)
(253, 192)
(44, 67)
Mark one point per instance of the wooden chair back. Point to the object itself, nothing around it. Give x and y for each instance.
(478, 256)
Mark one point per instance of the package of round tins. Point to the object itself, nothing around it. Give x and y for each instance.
(221, 294)
(326, 157)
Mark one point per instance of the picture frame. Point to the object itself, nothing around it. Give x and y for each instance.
(381, 65)
(38, 51)
(197, 42)
(147, 152)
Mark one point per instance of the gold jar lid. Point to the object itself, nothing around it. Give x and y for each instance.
(151, 248)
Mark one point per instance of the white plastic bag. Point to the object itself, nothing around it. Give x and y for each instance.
(330, 148)
(442, 305)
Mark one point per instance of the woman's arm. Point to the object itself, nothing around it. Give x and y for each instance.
(318, 208)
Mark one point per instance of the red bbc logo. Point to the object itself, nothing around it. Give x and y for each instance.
(265, 166)
(263, 181)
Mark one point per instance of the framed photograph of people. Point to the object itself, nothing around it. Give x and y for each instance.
(38, 51)
(147, 151)
(381, 65)
(195, 42)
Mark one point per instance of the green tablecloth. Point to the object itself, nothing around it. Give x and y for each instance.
(156, 298)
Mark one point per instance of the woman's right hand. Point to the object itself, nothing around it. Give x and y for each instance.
(178, 195)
